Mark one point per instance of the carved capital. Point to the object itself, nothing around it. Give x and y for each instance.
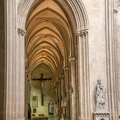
(55, 85)
(21, 32)
(66, 68)
(72, 59)
(61, 76)
(82, 32)
(57, 81)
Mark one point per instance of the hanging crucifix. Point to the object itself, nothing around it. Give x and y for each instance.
(42, 85)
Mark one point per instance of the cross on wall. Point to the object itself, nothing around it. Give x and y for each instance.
(42, 79)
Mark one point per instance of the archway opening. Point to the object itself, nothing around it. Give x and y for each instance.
(49, 44)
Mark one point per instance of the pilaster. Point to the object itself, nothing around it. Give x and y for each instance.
(72, 88)
(11, 52)
(83, 74)
(67, 97)
(110, 58)
(66, 70)
(20, 73)
(15, 94)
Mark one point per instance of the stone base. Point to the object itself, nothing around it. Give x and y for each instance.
(101, 115)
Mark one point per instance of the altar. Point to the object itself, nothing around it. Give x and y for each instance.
(40, 118)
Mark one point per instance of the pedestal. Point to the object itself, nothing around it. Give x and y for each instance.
(101, 115)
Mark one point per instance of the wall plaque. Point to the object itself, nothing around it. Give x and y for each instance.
(35, 101)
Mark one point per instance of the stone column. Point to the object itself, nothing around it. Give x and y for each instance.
(62, 88)
(116, 55)
(83, 75)
(110, 39)
(10, 51)
(15, 94)
(20, 75)
(27, 88)
(72, 88)
(59, 96)
(56, 89)
(66, 78)
(67, 97)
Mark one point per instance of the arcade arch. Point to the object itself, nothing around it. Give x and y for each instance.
(56, 35)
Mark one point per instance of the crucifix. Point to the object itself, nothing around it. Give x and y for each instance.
(42, 79)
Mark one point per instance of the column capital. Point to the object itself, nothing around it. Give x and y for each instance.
(57, 81)
(21, 32)
(65, 68)
(82, 32)
(61, 76)
(71, 59)
(55, 84)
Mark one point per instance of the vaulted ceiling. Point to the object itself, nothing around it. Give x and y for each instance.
(48, 36)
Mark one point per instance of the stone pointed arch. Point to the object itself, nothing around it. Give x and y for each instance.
(77, 8)
(15, 95)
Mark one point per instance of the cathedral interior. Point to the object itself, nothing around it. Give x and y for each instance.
(60, 60)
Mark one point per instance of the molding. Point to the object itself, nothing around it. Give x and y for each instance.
(77, 5)
(21, 32)
(101, 114)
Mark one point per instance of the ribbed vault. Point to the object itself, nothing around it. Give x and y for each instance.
(48, 37)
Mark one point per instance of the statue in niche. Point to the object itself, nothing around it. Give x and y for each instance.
(100, 95)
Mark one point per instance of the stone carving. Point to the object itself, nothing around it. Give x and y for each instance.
(100, 95)
(21, 32)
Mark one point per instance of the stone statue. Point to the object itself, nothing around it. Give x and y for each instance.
(100, 95)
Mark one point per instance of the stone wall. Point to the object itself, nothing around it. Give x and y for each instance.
(97, 44)
(48, 90)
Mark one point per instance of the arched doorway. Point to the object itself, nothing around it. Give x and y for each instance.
(50, 45)
(56, 36)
